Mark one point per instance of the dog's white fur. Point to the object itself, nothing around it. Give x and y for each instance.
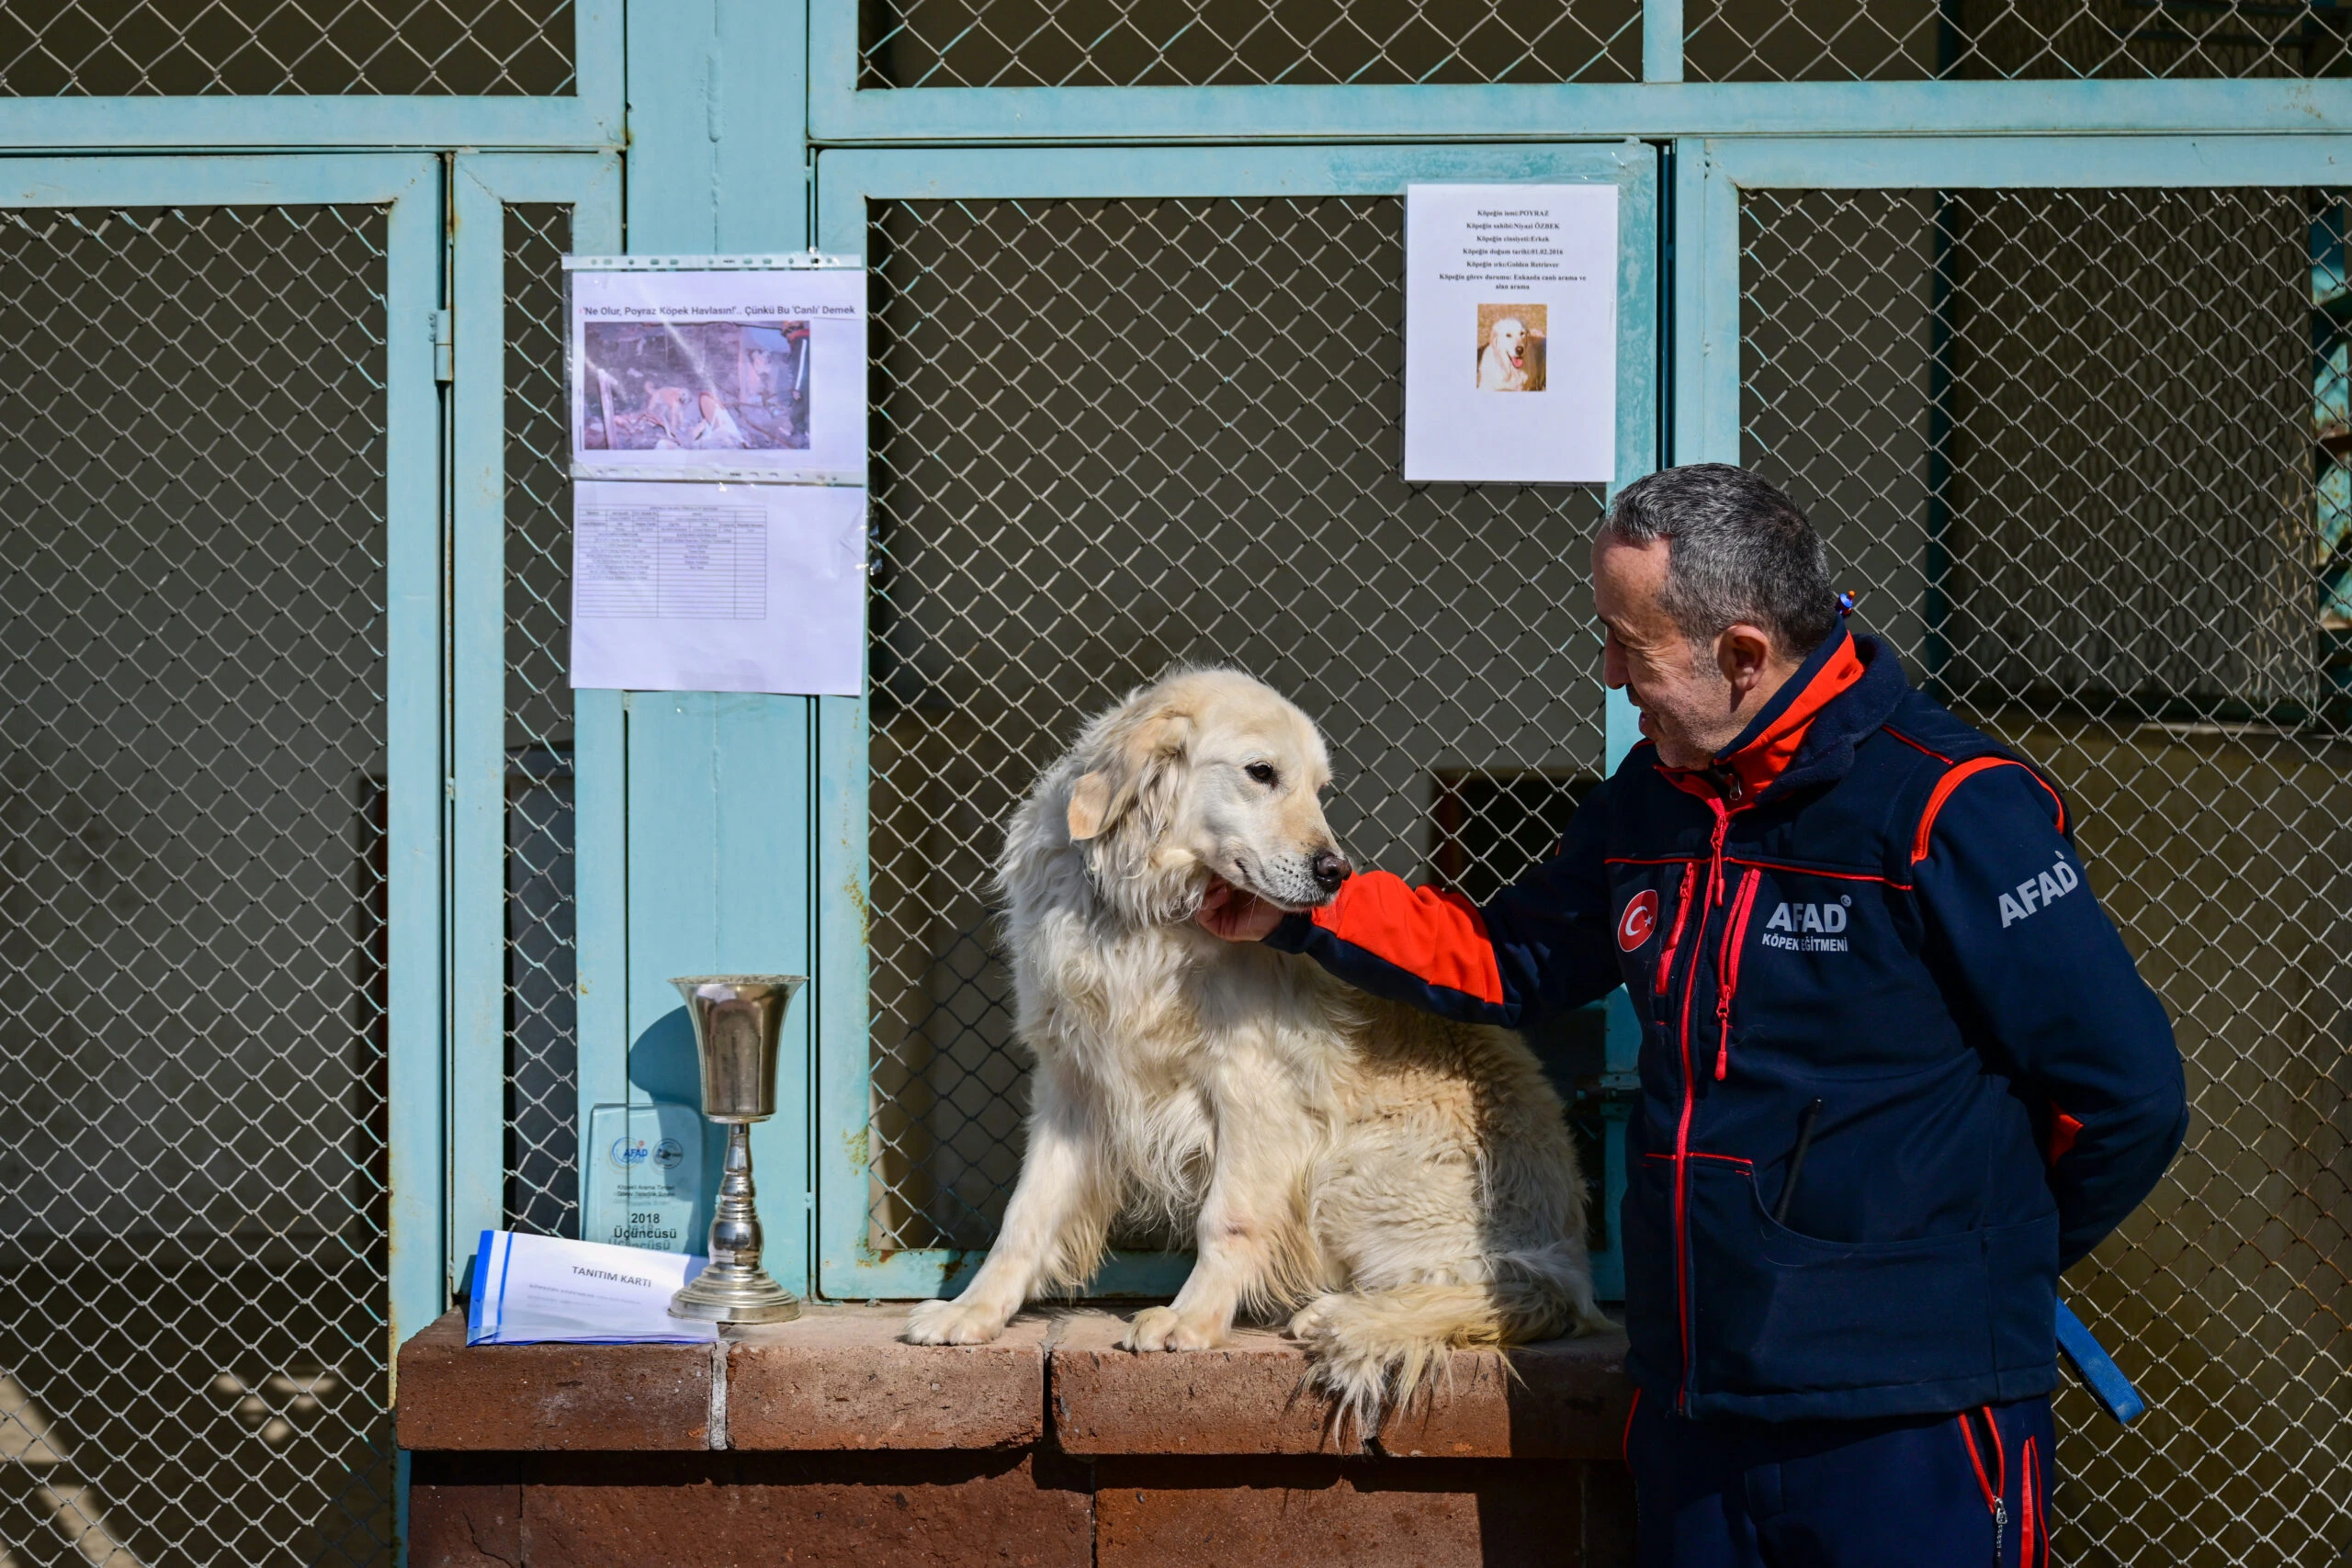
(1499, 368)
(1401, 1184)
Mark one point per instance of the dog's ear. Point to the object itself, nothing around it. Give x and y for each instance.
(1104, 795)
(1090, 806)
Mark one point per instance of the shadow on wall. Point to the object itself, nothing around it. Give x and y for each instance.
(662, 1065)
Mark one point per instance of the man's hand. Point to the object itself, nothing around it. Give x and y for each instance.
(1236, 916)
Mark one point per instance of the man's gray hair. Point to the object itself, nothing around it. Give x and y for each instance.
(1738, 550)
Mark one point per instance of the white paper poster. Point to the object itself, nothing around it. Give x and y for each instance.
(702, 587)
(1510, 333)
(745, 372)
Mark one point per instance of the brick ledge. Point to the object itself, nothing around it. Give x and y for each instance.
(839, 1379)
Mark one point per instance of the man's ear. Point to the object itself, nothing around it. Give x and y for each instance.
(1745, 653)
(1104, 795)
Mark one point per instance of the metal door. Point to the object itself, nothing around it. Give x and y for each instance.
(1135, 407)
(220, 1038)
(2071, 420)
(285, 944)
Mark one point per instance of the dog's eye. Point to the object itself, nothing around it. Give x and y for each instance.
(1262, 771)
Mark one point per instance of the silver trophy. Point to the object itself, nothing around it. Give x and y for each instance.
(739, 1020)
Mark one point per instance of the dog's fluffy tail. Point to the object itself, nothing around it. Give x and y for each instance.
(1373, 1350)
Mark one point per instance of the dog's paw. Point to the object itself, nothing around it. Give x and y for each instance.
(952, 1323)
(1310, 1321)
(1164, 1328)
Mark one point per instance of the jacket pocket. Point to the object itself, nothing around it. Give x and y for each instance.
(1776, 1311)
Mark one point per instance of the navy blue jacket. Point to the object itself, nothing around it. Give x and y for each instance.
(1866, 902)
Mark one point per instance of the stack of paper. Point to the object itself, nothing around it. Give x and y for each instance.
(536, 1290)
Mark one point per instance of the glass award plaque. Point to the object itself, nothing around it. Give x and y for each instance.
(645, 1166)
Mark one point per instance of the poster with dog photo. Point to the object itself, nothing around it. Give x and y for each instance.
(667, 386)
(1510, 333)
(1511, 346)
(742, 371)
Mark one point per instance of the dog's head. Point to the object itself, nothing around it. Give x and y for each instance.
(1206, 776)
(1510, 338)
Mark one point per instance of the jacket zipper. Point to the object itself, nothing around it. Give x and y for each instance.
(2028, 1486)
(1682, 1130)
(1992, 1485)
(1674, 937)
(1728, 969)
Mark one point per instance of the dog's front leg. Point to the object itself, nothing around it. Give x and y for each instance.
(1053, 1226)
(1250, 1233)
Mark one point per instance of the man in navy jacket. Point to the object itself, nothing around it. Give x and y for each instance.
(1850, 922)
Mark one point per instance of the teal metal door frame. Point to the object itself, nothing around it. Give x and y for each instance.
(481, 187)
(409, 186)
(445, 633)
(1662, 105)
(589, 116)
(847, 182)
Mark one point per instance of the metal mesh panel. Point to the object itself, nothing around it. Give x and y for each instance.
(1114, 436)
(1838, 40)
(192, 1047)
(1129, 43)
(2064, 442)
(542, 1001)
(112, 48)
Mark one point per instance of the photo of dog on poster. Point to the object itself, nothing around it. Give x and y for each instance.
(655, 386)
(1511, 346)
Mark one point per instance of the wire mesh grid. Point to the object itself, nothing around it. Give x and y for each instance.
(1112, 436)
(1132, 43)
(1837, 40)
(542, 927)
(117, 47)
(2064, 442)
(192, 961)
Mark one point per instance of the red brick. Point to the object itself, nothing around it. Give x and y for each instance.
(462, 1523)
(1247, 1397)
(838, 1378)
(871, 1510)
(1251, 1397)
(1302, 1513)
(533, 1397)
(1568, 1400)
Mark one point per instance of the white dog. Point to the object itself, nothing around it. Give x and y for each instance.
(1405, 1184)
(1503, 367)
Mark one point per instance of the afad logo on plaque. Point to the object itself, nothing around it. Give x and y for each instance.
(1640, 918)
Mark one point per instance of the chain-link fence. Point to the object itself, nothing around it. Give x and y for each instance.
(114, 48)
(1135, 43)
(192, 961)
(1112, 436)
(2064, 444)
(542, 927)
(1838, 40)
(1125, 43)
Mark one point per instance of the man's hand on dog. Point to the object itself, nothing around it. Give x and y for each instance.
(1236, 916)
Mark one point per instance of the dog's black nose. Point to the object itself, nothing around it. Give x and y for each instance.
(1331, 868)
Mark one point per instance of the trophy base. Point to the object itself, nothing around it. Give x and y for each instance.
(716, 1296)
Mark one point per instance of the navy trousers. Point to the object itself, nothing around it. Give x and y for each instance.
(1958, 1491)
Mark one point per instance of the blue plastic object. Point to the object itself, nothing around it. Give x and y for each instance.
(2098, 1368)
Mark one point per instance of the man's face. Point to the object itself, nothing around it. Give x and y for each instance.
(1679, 686)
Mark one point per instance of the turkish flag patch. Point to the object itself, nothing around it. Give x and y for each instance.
(1640, 918)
